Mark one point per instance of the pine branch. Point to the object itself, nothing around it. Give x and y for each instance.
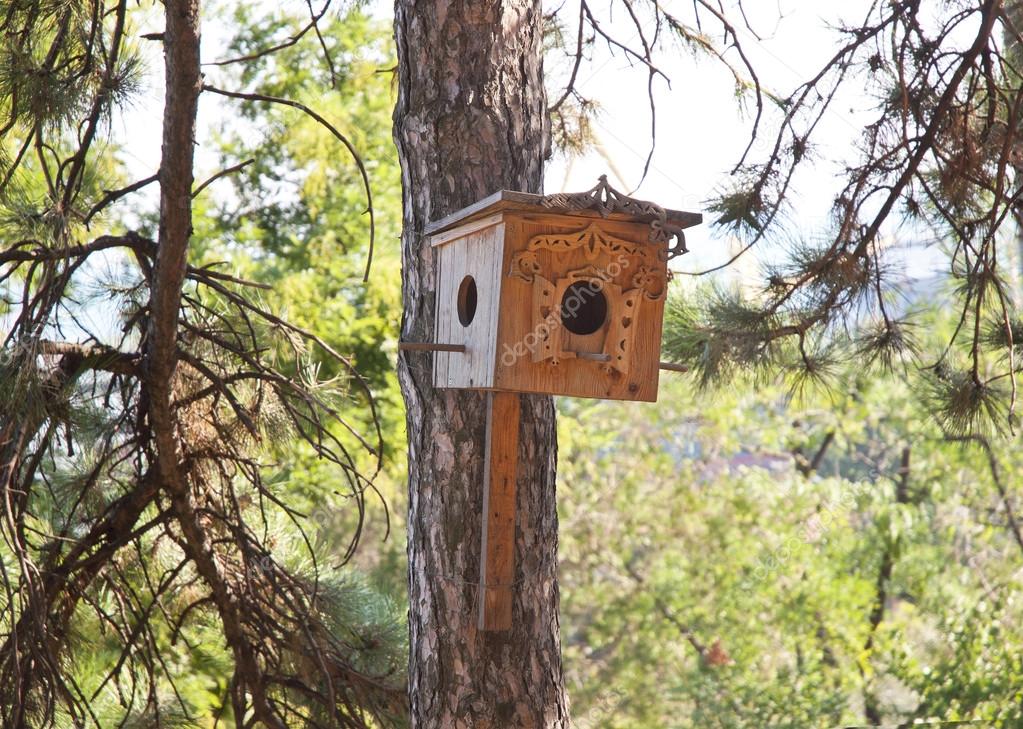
(112, 196)
(75, 357)
(21, 252)
(222, 173)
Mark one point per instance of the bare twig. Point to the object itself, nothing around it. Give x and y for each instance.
(996, 476)
(222, 173)
(112, 196)
(333, 130)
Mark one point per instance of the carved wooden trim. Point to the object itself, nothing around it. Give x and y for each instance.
(588, 273)
(592, 239)
(606, 200)
(525, 265)
(623, 307)
(639, 276)
(622, 330)
(546, 321)
(651, 282)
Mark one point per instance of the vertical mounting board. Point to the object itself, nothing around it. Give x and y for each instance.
(497, 551)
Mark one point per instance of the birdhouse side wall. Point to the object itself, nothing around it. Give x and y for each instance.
(543, 255)
(474, 250)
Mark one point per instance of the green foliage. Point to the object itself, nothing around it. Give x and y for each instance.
(741, 209)
(964, 404)
(308, 238)
(294, 220)
(728, 334)
(887, 345)
(309, 242)
(708, 581)
(717, 332)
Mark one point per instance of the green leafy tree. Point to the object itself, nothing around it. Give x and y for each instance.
(307, 241)
(760, 560)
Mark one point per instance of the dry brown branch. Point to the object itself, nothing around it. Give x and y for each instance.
(222, 173)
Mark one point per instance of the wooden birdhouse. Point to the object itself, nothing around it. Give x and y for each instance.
(561, 295)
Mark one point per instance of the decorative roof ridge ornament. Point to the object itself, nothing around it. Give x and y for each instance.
(606, 200)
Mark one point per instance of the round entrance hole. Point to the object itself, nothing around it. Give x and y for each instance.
(583, 307)
(467, 301)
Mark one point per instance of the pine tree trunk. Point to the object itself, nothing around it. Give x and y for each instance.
(470, 120)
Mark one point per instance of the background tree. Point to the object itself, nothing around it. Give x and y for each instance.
(295, 221)
(755, 560)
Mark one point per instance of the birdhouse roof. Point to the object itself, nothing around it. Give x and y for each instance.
(510, 200)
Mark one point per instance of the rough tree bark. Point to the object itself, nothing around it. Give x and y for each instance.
(184, 81)
(471, 119)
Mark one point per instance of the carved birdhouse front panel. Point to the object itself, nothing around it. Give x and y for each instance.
(561, 295)
(596, 298)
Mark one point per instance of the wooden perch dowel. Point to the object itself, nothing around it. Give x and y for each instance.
(672, 367)
(430, 347)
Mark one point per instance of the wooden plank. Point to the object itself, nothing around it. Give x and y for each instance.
(474, 255)
(539, 214)
(446, 301)
(497, 550)
(463, 230)
(439, 329)
(456, 266)
(500, 200)
(430, 347)
(497, 277)
(523, 201)
(483, 260)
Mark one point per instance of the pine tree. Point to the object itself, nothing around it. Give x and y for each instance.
(147, 545)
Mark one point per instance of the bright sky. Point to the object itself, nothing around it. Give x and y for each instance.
(701, 128)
